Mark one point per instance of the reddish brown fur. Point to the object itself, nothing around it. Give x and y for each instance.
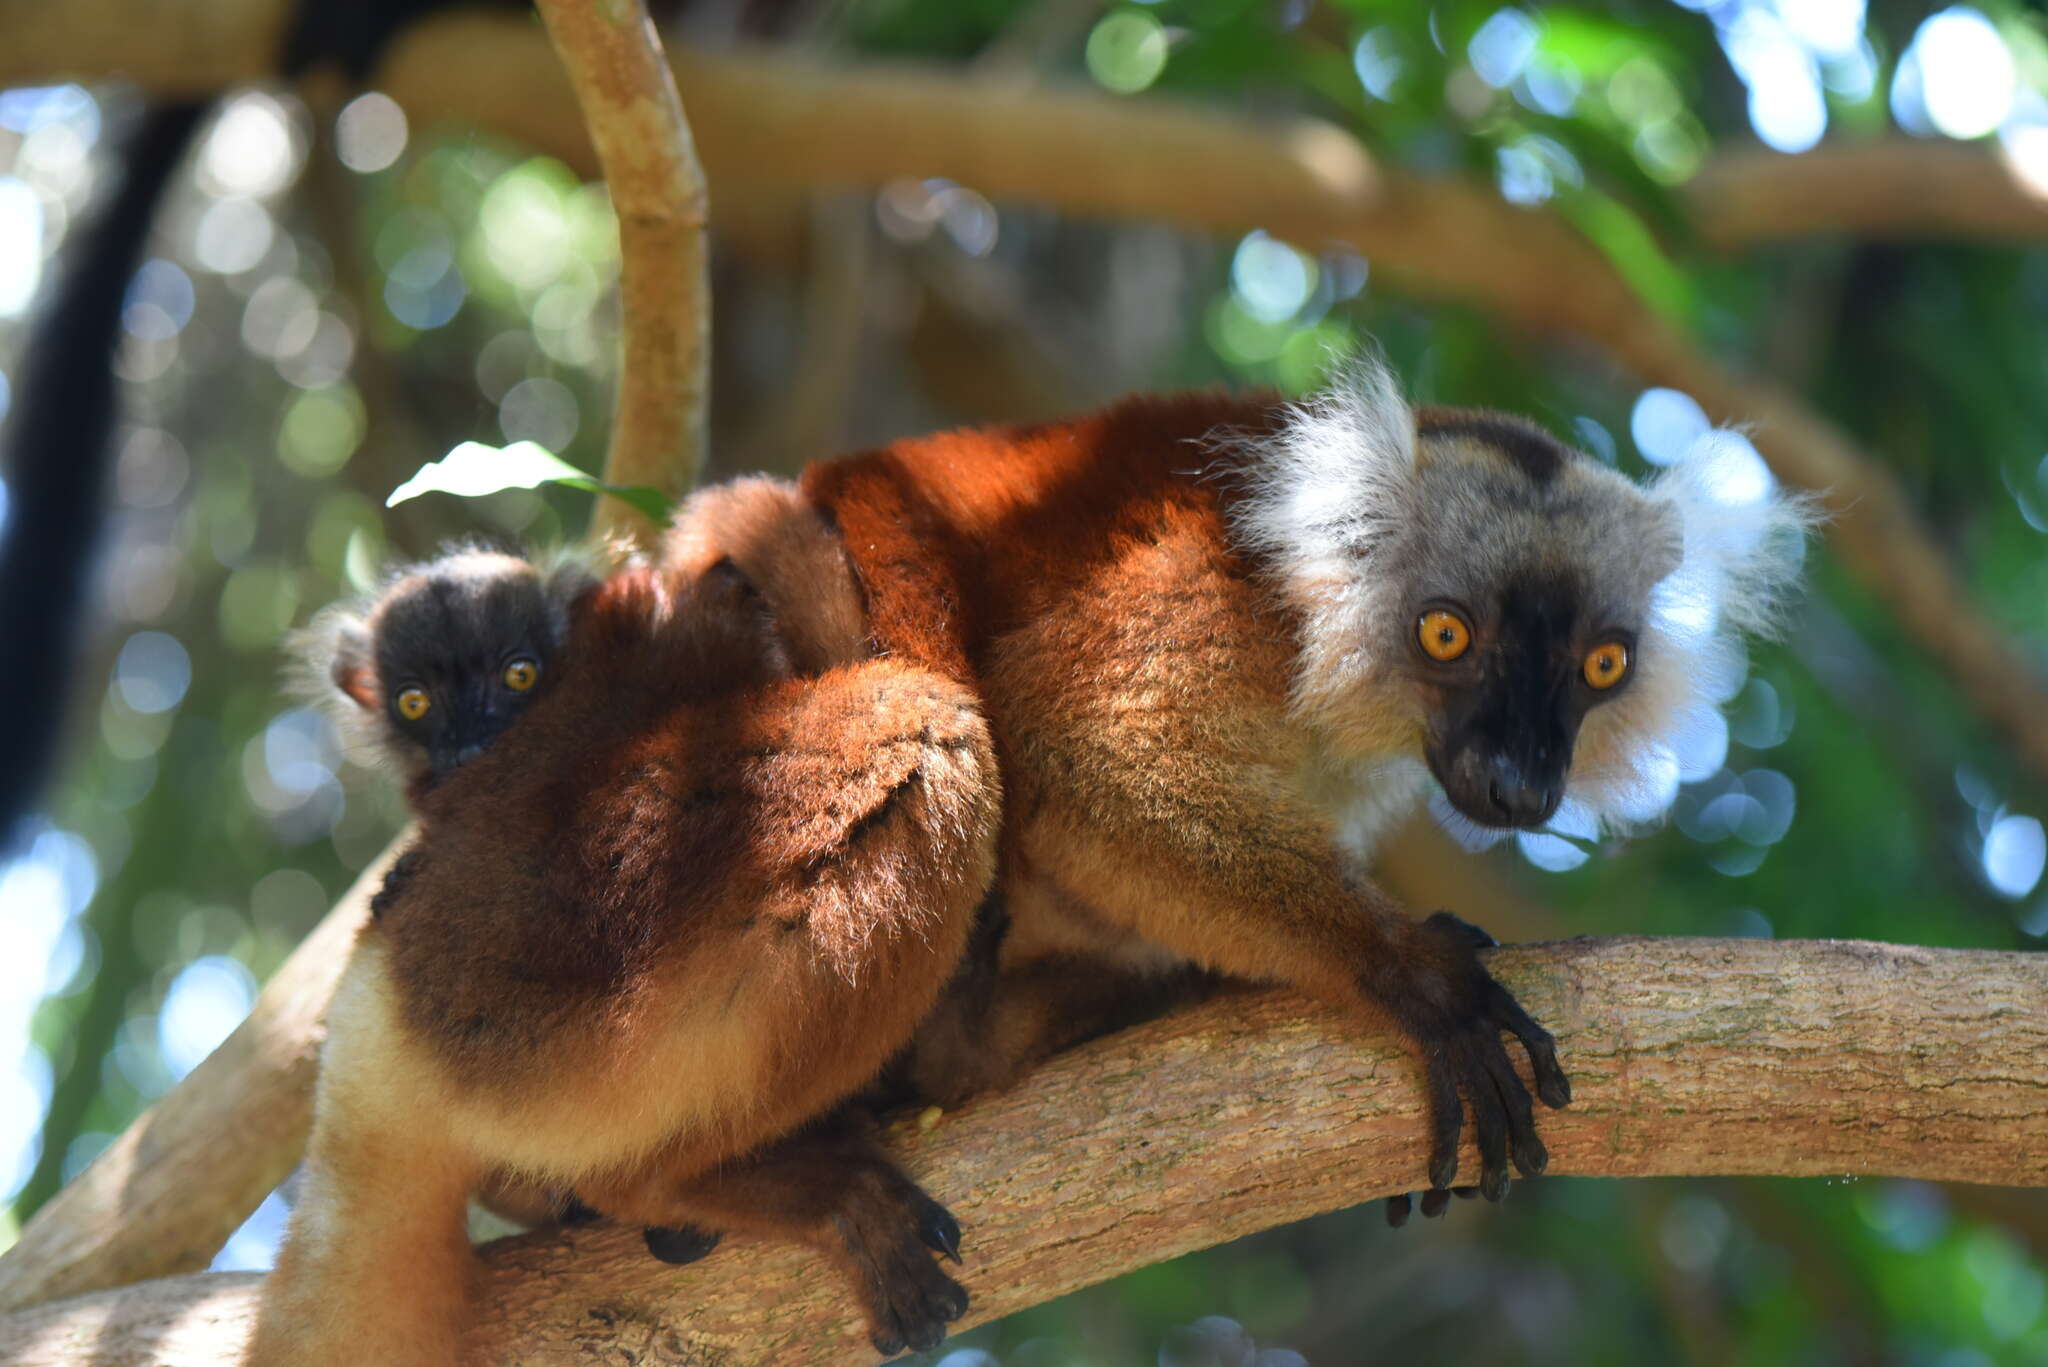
(1160, 803)
(765, 527)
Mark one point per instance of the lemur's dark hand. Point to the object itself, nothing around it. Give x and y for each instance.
(1456, 1011)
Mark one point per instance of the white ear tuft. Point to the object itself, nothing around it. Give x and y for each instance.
(1326, 487)
(1322, 496)
(1744, 540)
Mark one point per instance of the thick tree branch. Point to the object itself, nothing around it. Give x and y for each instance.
(166, 1195)
(628, 97)
(1689, 1057)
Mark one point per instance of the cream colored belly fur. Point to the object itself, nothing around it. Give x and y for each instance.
(597, 1111)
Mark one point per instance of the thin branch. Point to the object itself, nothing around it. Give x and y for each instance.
(165, 1196)
(1689, 1057)
(635, 118)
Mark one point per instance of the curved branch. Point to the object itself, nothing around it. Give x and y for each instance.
(1688, 1057)
(635, 118)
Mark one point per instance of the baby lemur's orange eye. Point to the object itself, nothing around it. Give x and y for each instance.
(1444, 635)
(1606, 664)
(413, 703)
(521, 675)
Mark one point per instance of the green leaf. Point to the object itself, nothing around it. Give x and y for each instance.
(474, 468)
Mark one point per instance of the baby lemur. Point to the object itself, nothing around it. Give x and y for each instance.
(648, 940)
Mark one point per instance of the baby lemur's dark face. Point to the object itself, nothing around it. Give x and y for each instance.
(442, 662)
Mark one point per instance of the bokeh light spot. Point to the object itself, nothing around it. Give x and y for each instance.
(2015, 853)
(370, 132)
(207, 1000)
(159, 302)
(1965, 71)
(251, 150)
(1502, 47)
(233, 235)
(21, 245)
(1126, 51)
(152, 672)
(1271, 278)
(1665, 423)
(540, 410)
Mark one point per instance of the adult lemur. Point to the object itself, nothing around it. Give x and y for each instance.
(693, 896)
(1222, 643)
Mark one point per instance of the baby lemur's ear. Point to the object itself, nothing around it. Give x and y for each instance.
(744, 629)
(566, 574)
(351, 666)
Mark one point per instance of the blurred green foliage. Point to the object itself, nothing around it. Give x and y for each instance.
(366, 322)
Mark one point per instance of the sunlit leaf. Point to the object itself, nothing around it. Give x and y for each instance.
(474, 469)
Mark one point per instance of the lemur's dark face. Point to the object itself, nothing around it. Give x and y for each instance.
(1530, 585)
(461, 650)
(1513, 674)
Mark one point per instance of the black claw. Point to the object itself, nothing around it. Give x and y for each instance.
(683, 1244)
(955, 1303)
(1434, 1201)
(888, 1344)
(574, 1212)
(939, 1230)
(924, 1337)
(1398, 1208)
(1531, 1158)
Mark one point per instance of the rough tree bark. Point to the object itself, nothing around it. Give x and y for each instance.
(1688, 1057)
(165, 1196)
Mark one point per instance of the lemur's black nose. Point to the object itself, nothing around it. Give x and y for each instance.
(1519, 800)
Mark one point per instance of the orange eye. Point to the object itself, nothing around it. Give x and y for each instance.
(1444, 635)
(521, 675)
(1606, 664)
(413, 703)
